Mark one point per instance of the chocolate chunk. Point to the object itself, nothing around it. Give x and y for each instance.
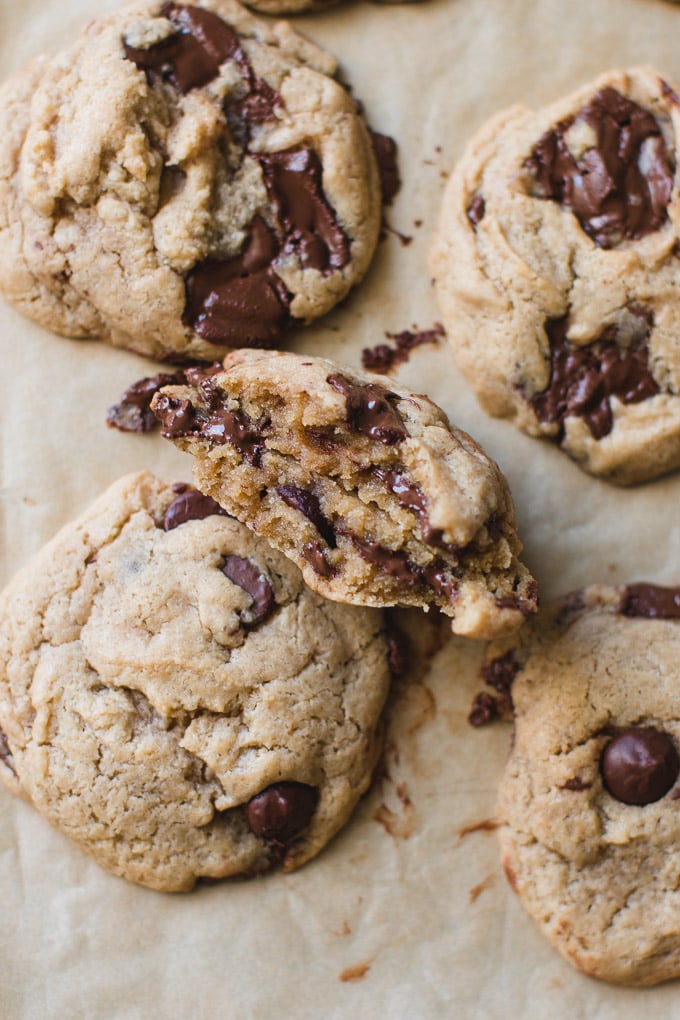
(394, 562)
(576, 785)
(370, 409)
(240, 302)
(640, 765)
(384, 357)
(310, 226)
(385, 150)
(192, 56)
(247, 575)
(413, 498)
(236, 428)
(282, 811)
(308, 504)
(177, 417)
(6, 755)
(476, 209)
(315, 554)
(190, 505)
(485, 708)
(584, 379)
(500, 674)
(133, 412)
(619, 185)
(651, 601)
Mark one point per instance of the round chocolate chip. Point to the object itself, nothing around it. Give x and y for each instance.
(640, 765)
(281, 811)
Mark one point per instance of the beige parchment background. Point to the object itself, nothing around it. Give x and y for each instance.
(404, 915)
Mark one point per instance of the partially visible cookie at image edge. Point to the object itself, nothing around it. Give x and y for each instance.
(181, 180)
(176, 700)
(588, 803)
(557, 266)
(366, 487)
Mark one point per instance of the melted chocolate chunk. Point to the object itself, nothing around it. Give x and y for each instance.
(384, 357)
(190, 505)
(619, 186)
(192, 56)
(310, 226)
(6, 755)
(413, 498)
(247, 575)
(651, 601)
(133, 412)
(315, 554)
(234, 427)
(308, 505)
(240, 302)
(640, 765)
(282, 811)
(385, 150)
(396, 563)
(476, 209)
(177, 417)
(584, 379)
(370, 409)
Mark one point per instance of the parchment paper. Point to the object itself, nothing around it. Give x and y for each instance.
(407, 913)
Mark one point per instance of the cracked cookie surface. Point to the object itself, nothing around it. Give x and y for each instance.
(183, 179)
(368, 489)
(556, 266)
(588, 802)
(176, 700)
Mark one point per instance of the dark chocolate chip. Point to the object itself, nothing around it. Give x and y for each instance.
(240, 302)
(308, 504)
(620, 186)
(192, 56)
(500, 674)
(394, 562)
(576, 785)
(584, 379)
(640, 765)
(311, 230)
(248, 575)
(370, 409)
(476, 209)
(190, 505)
(385, 150)
(413, 498)
(651, 601)
(282, 811)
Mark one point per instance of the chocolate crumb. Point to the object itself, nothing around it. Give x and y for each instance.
(384, 357)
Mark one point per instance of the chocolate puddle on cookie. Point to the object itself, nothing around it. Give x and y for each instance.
(610, 165)
(583, 380)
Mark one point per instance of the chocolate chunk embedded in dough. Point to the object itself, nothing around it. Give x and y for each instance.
(247, 575)
(610, 165)
(651, 601)
(584, 379)
(640, 765)
(370, 409)
(190, 505)
(281, 811)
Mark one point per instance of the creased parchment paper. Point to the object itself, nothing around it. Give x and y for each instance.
(407, 913)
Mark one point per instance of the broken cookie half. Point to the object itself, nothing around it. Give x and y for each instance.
(369, 490)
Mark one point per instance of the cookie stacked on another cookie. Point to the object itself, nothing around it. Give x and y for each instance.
(183, 179)
(557, 271)
(176, 700)
(589, 799)
(367, 488)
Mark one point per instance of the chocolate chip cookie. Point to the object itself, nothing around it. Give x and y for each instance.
(182, 180)
(368, 489)
(589, 799)
(176, 700)
(557, 268)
